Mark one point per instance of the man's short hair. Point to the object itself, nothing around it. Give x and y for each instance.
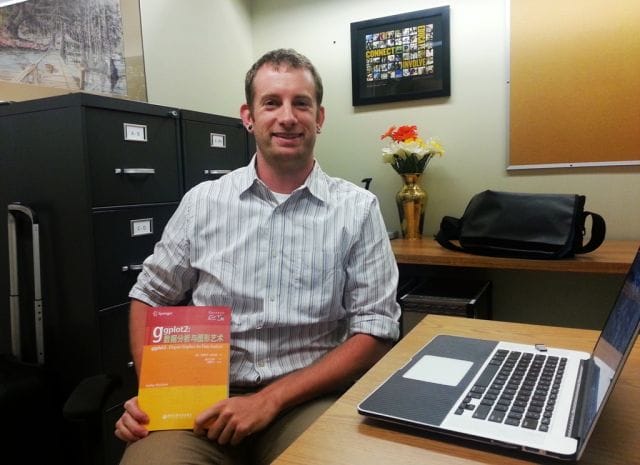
(276, 58)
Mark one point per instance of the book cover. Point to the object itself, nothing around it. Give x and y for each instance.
(185, 364)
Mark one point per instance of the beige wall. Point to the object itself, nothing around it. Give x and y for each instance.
(472, 123)
(196, 53)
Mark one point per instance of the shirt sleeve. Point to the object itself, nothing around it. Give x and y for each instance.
(372, 280)
(167, 277)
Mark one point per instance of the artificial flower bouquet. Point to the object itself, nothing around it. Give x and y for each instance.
(408, 152)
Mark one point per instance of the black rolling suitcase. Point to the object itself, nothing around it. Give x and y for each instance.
(30, 420)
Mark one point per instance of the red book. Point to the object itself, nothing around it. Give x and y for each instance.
(185, 364)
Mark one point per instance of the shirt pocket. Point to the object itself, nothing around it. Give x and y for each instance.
(319, 281)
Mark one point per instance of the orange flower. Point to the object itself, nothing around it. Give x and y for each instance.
(401, 134)
(388, 133)
(405, 133)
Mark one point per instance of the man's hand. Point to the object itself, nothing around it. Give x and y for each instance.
(232, 420)
(130, 427)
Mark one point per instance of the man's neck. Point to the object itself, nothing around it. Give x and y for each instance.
(283, 178)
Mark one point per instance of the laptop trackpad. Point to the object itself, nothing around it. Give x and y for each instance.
(425, 390)
(439, 370)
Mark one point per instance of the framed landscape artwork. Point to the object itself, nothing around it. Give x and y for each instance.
(90, 46)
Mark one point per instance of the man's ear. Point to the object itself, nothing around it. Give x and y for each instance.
(247, 119)
(320, 117)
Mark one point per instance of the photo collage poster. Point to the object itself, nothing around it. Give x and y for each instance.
(399, 53)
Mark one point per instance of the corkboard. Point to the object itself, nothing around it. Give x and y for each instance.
(574, 83)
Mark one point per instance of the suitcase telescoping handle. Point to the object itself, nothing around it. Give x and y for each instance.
(15, 209)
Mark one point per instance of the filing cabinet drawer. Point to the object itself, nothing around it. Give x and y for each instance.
(212, 146)
(124, 237)
(116, 356)
(134, 158)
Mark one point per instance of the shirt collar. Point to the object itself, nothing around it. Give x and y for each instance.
(315, 183)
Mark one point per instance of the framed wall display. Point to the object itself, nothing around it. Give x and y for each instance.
(90, 46)
(401, 57)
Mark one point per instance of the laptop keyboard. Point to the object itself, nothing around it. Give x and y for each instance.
(516, 388)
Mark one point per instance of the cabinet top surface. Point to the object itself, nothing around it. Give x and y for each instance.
(79, 99)
(612, 257)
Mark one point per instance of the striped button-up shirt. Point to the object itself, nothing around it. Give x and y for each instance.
(300, 276)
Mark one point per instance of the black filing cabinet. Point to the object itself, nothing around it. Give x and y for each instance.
(103, 176)
(212, 146)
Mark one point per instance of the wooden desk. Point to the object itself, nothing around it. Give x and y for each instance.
(341, 436)
(612, 257)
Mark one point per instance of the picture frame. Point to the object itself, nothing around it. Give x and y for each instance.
(106, 57)
(401, 57)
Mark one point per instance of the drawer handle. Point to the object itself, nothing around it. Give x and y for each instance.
(135, 171)
(217, 171)
(132, 267)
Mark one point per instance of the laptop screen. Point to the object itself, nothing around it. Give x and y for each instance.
(615, 342)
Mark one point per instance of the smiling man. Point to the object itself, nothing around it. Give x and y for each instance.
(284, 112)
(304, 261)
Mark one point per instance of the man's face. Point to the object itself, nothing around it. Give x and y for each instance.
(284, 114)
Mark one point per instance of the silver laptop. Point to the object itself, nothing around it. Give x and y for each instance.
(538, 399)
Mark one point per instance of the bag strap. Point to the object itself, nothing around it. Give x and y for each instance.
(598, 231)
(449, 229)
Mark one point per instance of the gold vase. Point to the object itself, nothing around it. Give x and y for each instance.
(412, 202)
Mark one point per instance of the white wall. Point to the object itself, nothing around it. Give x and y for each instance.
(196, 54)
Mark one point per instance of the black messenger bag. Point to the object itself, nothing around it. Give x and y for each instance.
(522, 225)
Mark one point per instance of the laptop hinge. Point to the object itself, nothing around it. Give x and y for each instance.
(584, 399)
